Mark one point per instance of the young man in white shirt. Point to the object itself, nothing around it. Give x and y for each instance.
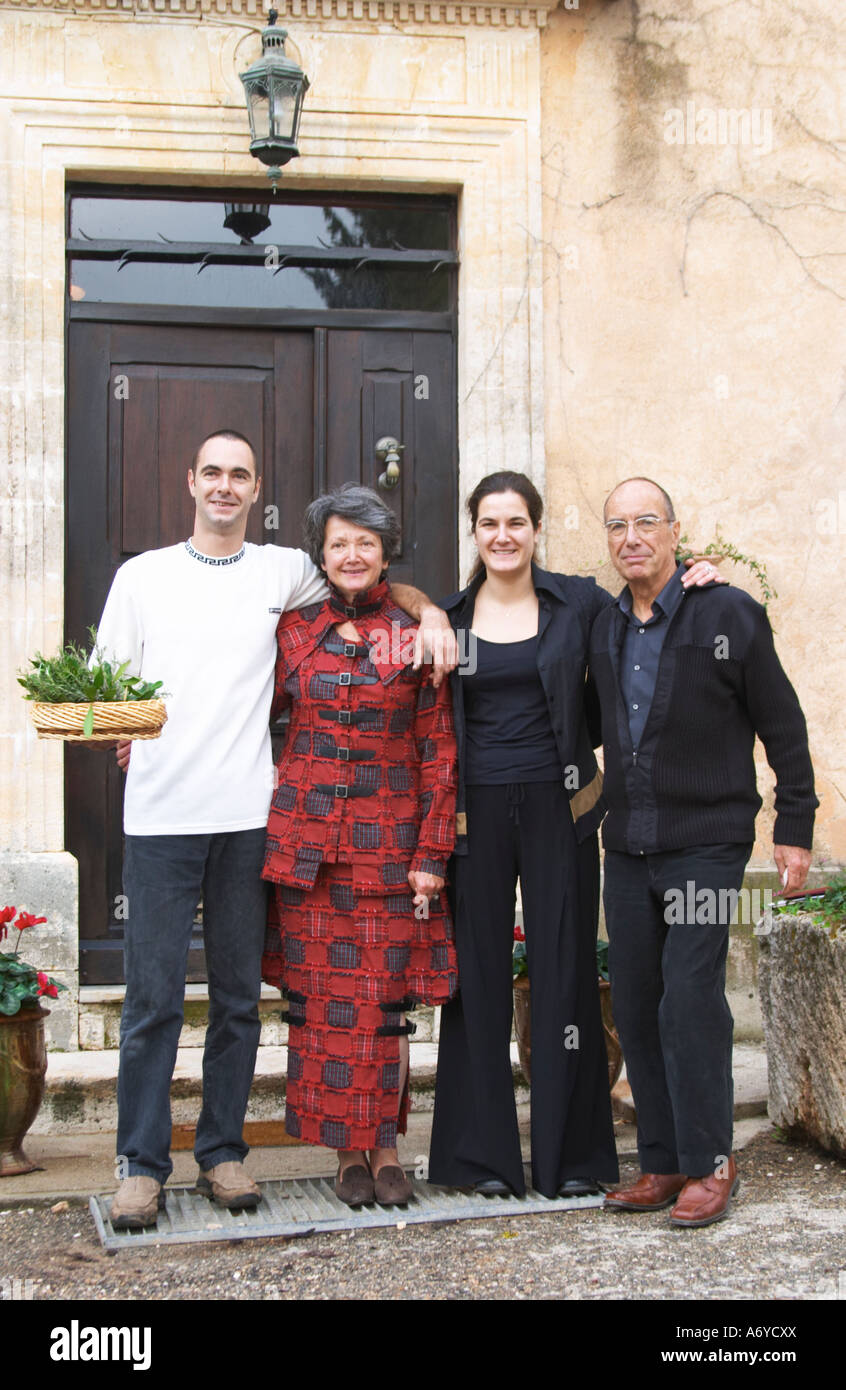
(201, 617)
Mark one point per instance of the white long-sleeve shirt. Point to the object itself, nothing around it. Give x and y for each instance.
(208, 632)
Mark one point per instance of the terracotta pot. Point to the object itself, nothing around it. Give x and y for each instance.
(523, 1025)
(522, 1029)
(23, 1065)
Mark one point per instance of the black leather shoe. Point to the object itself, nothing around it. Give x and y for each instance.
(580, 1187)
(492, 1187)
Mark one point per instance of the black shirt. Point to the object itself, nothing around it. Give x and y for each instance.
(509, 736)
(642, 651)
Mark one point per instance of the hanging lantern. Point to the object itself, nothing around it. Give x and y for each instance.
(275, 87)
(246, 220)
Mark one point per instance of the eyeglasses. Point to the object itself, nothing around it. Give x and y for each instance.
(643, 525)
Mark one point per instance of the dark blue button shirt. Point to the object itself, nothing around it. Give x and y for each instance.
(641, 652)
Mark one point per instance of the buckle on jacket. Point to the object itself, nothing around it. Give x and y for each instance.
(345, 678)
(349, 649)
(341, 791)
(345, 716)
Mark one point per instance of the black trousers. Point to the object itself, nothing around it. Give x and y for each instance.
(523, 830)
(668, 921)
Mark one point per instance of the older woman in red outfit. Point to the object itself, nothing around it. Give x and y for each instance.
(361, 827)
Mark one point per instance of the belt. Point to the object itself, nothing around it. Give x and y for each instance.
(346, 755)
(348, 716)
(345, 678)
(337, 789)
(338, 647)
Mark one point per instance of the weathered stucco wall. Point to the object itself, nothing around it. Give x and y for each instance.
(694, 286)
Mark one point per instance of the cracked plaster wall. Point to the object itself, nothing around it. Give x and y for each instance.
(694, 298)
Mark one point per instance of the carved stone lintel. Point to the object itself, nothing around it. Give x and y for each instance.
(396, 12)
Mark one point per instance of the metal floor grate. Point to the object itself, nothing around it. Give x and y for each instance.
(302, 1206)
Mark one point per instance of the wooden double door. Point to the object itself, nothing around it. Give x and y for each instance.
(314, 401)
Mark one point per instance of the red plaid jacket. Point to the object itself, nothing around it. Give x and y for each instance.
(368, 772)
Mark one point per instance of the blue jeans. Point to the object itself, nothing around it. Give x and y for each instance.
(164, 877)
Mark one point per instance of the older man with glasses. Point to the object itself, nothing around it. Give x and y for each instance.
(686, 677)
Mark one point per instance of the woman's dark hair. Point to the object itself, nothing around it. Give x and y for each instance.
(359, 505)
(504, 482)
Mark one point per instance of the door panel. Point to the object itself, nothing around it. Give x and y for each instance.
(400, 384)
(386, 409)
(313, 401)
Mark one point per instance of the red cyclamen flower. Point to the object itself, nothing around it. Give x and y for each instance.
(6, 914)
(45, 987)
(26, 919)
(519, 934)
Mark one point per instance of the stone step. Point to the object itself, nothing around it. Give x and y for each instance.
(100, 1006)
(81, 1091)
(80, 1096)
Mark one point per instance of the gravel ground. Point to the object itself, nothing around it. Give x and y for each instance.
(785, 1239)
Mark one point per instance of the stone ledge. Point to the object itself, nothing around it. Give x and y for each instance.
(395, 12)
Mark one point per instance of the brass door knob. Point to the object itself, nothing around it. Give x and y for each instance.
(388, 452)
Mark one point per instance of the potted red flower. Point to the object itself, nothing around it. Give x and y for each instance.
(23, 1054)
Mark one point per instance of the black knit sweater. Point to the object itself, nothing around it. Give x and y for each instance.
(719, 683)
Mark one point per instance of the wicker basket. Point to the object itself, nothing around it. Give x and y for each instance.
(118, 719)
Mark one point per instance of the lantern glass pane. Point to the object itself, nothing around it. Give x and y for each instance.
(283, 107)
(259, 112)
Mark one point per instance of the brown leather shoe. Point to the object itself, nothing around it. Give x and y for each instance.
(229, 1185)
(651, 1192)
(703, 1200)
(137, 1204)
(355, 1185)
(392, 1186)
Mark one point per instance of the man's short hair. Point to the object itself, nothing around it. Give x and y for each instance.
(667, 500)
(226, 434)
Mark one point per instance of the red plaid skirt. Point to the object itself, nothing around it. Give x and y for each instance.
(352, 965)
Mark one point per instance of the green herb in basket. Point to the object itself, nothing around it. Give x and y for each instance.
(72, 677)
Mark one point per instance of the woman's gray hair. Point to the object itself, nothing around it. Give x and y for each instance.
(359, 505)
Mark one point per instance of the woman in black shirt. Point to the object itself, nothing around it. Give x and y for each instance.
(529, 805)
